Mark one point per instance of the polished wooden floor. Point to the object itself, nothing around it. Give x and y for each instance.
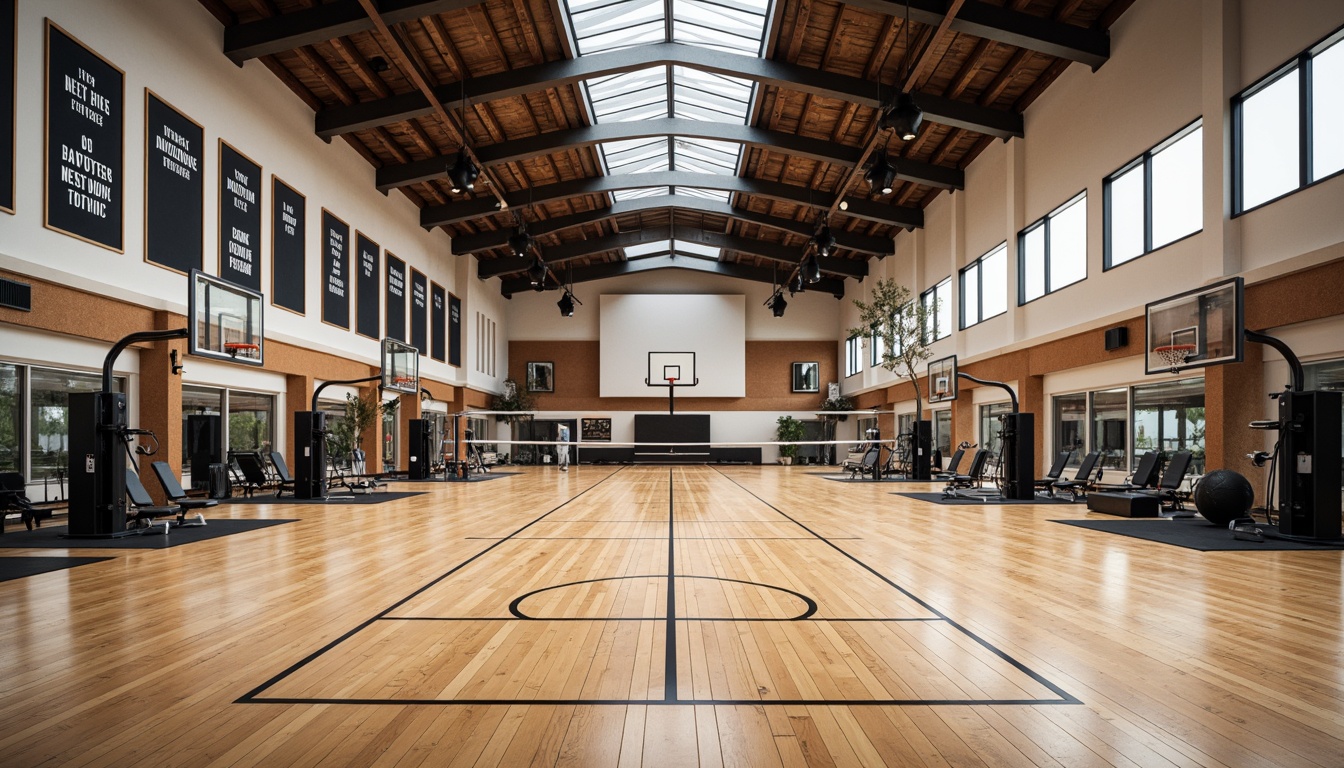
(673, 616)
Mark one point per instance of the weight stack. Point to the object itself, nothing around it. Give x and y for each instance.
(310, 454)
(1309, 464)
(97, 464)
(1019, 455)
(921, 461)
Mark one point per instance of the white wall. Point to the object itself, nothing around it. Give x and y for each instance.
(174, 48)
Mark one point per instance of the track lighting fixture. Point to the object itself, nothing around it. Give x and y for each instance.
(537, 273)
(463, 172)
(824, 239)
(520, 242)
(904, 117)
(378, 64)
(881, 174)
(776, 303)
(566, 304)
(796, 284)
(810, 269)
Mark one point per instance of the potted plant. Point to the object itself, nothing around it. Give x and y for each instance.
(514, 398)
(839, 403)
(787, 430)
(347, 433)
(838, 407)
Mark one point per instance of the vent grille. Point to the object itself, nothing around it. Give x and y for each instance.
(16, 295)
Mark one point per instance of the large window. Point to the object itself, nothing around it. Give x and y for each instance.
(1052, 252)
(1110, 419)
(984, 287)
(875, 346)
(1289, 126)
(991, 437)
(11, 417)
(852, 345)
(942, 432)
(1169, 417)
(937, 301)
(251, 421)
(1157, 198)
(1071, 427)
(48, 415)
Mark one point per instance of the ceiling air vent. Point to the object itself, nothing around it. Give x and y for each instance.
(16, 295)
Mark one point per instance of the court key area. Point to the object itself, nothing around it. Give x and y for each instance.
(661, 585)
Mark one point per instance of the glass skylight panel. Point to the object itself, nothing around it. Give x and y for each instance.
(652, 248)
(708, 194)
(708, 96)
(634, 194)
(629, 96)
(706, 156)
(636, 155)
(607, 26)
(732, 26)
(695, 249)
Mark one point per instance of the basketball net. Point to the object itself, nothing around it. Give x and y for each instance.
(1174, 355)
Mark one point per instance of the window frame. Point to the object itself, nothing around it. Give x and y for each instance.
(1145, 161)
(933, 312)
(1302, 64)
(1044, 221)
(979, 267)
(853, 356)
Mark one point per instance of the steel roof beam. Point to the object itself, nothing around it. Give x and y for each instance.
(466, 210)
(833, 286)
(393, 176)
(321, 23)
(498, 238)
(334, 121)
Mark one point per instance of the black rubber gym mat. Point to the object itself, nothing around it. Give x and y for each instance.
(847, 479)
(19, 567)
(53, 537)
(338, 496)
(1197, 533)
(937, 498)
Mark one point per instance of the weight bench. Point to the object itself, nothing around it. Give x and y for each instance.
(12, 497)
(172, 489)
(144, 511)
(959, 485)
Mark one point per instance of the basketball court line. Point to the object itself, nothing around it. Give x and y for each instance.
(534, 637)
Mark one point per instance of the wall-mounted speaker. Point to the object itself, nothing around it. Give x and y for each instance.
(1117, 338)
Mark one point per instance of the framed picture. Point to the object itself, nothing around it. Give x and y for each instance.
(806, 377)
(595, 430)
(541, 377)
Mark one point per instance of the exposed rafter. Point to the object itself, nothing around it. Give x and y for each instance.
(338, 120)
(393, 176)
(466, 210)
(829, 285)
(559, 254)
(854, 241)
(321, 23)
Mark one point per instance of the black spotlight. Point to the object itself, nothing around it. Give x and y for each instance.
(825, 240)
(537, 273)
(566, 305)
(904, 117)
(464, 172)
(378, 64)
(796, 284)
(521, 242)
(810, 269)
(777, 304)
(881, 174)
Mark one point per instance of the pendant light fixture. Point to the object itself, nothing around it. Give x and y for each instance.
(464, 171)
(776, 302)
(904, 116)
(567, 302)
(881, 174)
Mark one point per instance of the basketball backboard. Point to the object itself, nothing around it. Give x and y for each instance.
(224, 320)
(943, 379)
(401, 367)
(1195, 329)
(675, 369)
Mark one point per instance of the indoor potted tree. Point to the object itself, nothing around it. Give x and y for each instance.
(837, 408)
(899, 322)
(787, 430)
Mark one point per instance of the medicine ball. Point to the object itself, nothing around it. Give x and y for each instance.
(1223, 495)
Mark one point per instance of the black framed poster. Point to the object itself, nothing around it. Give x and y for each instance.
(396, 298)
(454, 331)
(438, 322)
(9, 49)
(288, 240)
(335, 270)
(239, 218)
(419, 307)
(174, 187)
(86, 111)
(367, 288)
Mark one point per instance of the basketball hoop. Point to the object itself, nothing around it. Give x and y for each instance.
(1174, 355)
(236, 347)
(671, 381)
(402, 380)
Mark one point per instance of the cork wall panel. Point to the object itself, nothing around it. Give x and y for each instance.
(97, 317)
(769, 366)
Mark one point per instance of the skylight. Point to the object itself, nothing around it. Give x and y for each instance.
(676, 247)
(736, 26)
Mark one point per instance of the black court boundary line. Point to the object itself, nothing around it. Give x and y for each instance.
(656, 538)
(757, 619)
(252, 697)
(1065, 697)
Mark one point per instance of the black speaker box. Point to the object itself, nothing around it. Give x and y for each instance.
(1117, 338)
(421, 434)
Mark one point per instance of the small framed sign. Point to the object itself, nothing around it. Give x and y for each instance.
(595, 429)
(806, 377)
(541, 377)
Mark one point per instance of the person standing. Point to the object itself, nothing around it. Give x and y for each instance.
(562, 451)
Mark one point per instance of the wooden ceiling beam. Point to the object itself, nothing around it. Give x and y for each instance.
(833, 286)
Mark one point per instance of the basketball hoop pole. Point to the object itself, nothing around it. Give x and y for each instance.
(671, 401)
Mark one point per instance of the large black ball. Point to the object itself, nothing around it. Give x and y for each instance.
(1223, 495)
